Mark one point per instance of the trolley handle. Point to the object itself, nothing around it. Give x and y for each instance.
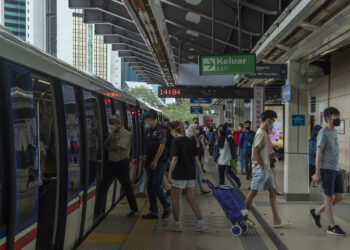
(209, 183)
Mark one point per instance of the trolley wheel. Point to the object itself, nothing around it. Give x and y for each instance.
(236, 230)
(244, 227)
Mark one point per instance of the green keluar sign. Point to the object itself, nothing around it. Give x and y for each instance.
(226, 64)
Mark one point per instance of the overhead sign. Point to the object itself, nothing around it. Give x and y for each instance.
(196, 110)
(226, 64)
(270, 71)
(286, 93)
(205, 92)
(188, 75)
(298, 120)
(200, 100)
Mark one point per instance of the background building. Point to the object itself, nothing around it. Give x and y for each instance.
(13, 16)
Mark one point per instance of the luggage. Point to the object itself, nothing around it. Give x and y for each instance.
(233, 205)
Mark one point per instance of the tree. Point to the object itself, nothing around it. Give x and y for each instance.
(146, 95)
(181, 111)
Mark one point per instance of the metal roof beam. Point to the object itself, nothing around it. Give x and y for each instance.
(218, 21)
(107, 27)
(191, 43)
(133, 53)
(137, 59)
(208, 36)
(124, 47)
(145, 69)
(256, 7)
(142, 64)
(114, 39)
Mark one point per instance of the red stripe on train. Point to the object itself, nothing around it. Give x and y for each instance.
(26, 239)
(73, 207)
(91, 194)
(3, 246)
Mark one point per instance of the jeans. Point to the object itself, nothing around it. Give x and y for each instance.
(241, 159)
(248, 165)
(121, 171)
(154, 187)
(142, 182)
(199, 179)
(227, 169)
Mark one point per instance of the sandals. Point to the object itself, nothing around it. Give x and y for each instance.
(283, 223)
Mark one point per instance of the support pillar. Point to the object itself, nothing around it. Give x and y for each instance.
(238, 112)
(296, 167)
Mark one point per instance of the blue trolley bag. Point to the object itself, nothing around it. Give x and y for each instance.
(231, 202)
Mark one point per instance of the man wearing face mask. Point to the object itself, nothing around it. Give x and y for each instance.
(245, 144)
(236, 135)
(262, 175)
(186, 124)
(327, 170)
(118, 145)
(195, 120)
(156, 164)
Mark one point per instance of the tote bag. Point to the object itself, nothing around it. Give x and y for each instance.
(225, 154)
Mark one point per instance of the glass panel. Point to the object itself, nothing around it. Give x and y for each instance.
(108, 107)
(129, 117)
(73, 144)
(93, 132)
(26, 145)
(118, 109)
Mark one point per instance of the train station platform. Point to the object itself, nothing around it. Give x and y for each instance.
(117, 231)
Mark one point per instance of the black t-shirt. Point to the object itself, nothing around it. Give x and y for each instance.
(155, 137)
(185, 149)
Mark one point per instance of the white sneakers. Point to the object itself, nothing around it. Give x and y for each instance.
(201, 227)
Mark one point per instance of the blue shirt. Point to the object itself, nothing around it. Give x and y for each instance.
(246, 141)
(211, 136)
(328, 141)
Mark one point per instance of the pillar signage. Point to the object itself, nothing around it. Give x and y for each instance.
(298, 120)
(226, 64)
(200, 100)
(258, 106)
(196, 109)
(270, 71)
(286, 93)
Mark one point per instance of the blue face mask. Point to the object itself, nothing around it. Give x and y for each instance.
(147, 126)
(185, 126)
(197, 132)
(272, 126)
(214, 130)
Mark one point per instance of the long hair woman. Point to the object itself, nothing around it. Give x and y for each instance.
(182, 175)
(227, 151)
(193, 132)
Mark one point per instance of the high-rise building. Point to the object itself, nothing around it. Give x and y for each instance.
(35, 30)
(14, 16)
(1, 12)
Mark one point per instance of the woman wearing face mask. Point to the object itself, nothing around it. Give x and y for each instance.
(193, 133)
(227, 152)
(236, 134)
(182, 174)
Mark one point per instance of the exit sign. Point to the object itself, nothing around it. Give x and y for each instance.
(226, 64)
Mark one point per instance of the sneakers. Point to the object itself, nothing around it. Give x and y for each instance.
(315, 218)
(166, 213)
(133, 213)
(201, 228)
(150, 216)
(205, 191)
(175, 227)
(336, 230)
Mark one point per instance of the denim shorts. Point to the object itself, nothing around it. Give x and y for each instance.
(182, 184)
(262, 180)
(332, 182)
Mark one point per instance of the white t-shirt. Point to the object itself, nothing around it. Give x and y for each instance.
(261, 141)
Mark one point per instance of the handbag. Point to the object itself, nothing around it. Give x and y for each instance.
(225, 154)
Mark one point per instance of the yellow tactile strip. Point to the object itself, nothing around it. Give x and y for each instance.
(106, 237)
(140, 234)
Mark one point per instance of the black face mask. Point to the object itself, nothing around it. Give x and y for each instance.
(336, 122)
(247, 128)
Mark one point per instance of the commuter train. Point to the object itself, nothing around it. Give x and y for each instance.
(54, 119)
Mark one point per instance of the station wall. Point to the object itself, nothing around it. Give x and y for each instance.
(334, 90)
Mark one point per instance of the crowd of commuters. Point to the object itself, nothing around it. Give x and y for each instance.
(177, 153)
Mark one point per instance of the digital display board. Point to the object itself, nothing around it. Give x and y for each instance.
(205, 92)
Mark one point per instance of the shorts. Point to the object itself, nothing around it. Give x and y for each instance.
(332, 182)
(272, 163)
(262, 180)
(182, 184)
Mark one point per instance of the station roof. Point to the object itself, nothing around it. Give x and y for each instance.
(149, 34)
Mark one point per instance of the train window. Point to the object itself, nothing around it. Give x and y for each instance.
(92, 115)
(118, 110)
(108, 107)
(25, 141)
(44, 105)
(72, 128)
(129, 110)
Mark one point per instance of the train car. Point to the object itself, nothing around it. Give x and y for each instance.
(54, 120)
